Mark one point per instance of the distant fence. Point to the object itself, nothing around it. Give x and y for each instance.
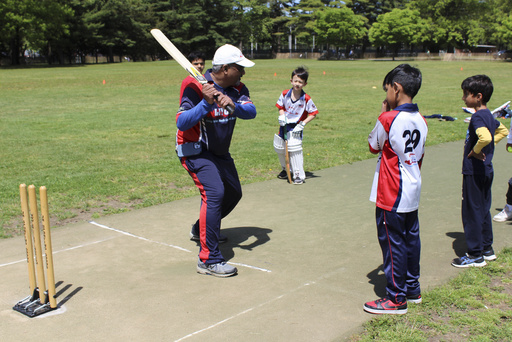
(482, 56)
(304, 55)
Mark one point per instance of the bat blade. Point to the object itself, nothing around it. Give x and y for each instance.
(177, 55)
(181, 59)
(287, 161)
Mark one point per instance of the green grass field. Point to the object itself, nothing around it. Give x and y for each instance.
(105, 148)
(473, 306)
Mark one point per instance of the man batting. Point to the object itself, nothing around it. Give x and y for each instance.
(205, 128)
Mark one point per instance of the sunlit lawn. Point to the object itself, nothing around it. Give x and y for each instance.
(103, 148)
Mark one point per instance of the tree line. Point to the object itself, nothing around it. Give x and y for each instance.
(71, 29)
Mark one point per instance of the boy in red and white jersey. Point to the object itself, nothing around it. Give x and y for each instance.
(399, 136)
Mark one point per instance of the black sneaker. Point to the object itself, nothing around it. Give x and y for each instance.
(282, 175)
(194, 236)
(416, 299)
(385, 306)
(489, 255)
(469, 261)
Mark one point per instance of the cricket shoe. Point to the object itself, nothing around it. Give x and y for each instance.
(194, 236)
(415, 299)
(282, 175)
(489, 255)
(297, 181)
(220, 269)
(504, 215)
(469, 261)
(385, 306)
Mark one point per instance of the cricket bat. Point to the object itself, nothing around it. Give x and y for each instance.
(287, 155)
(181, 59)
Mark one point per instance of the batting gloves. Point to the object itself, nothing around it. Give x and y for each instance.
(298, 129)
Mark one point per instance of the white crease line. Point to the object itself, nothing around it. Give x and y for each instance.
(230, 318)
(62, 250)
(249, 266)
(313, 282)
(138, 237)
(214, 325)
(238, 314)
(165, 244)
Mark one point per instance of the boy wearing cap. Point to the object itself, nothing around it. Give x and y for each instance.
(205, 127)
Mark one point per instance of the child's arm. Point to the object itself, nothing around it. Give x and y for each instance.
(500, 133)
(484, 139)
(282, 118)
(308, 119)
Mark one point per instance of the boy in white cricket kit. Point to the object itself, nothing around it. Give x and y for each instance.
(399, 137)
(296, 109)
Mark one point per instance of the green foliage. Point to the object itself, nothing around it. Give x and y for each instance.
(459, 23)
(371, 9)
(340, 26)
(59, 29)
(400, 26)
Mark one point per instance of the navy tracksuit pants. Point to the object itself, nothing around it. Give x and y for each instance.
(476, 216)
(509, 192)
(399, 239)
(216, 178)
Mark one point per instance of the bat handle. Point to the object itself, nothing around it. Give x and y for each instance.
(229, 108)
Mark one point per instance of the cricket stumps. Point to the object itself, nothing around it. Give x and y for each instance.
(41, 299)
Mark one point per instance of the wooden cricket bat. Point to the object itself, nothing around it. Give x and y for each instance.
(181, 59)
(287, 155)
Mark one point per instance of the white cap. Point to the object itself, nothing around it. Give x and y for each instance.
(228, 54)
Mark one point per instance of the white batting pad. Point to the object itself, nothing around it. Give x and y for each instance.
(297, 164)
(294, 144)
(279, 148)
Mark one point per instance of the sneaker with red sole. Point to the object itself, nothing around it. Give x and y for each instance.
(385, 306)
(416, 299)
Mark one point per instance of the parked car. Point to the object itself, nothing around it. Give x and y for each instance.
(504, 54)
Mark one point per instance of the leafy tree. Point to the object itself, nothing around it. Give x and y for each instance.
(199, 24)
(463, 22)
(340, 27)
(280, 17)
(32, 24)
(15, 20)
(500, 19)
(371, 9)
(52, 20)
(397, 28)
(302, 19)
(256, 24)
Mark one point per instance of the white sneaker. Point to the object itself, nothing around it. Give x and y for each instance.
(504, 215)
